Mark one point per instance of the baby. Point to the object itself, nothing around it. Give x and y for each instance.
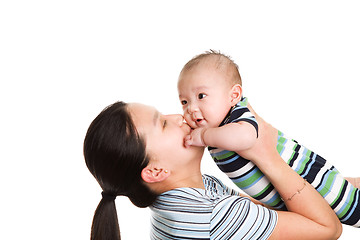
(210, 92)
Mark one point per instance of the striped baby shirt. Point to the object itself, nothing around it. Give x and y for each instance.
(324, 177)
(216, 212)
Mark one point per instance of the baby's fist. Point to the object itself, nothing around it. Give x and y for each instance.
(195, 138)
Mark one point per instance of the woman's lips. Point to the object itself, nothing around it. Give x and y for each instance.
(188, 128)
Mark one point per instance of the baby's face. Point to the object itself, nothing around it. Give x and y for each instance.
(205, 96)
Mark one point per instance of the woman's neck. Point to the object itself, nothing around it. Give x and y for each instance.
(189, 180)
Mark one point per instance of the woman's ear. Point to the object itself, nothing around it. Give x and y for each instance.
(151, 174)
(236, 94)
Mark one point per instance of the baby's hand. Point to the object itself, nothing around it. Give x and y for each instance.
(195, 138)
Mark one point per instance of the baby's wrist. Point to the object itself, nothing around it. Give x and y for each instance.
(203, 136)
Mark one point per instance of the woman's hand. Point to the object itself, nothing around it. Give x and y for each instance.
(264, 148)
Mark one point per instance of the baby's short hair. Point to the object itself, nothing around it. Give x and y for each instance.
(221, 61)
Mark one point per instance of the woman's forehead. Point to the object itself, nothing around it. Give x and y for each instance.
(143, 115)
(141, 108)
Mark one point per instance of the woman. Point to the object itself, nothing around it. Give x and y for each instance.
(133, 150)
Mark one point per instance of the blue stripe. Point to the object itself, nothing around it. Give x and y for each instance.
(347, 200)
(323, 183)
(247, 176)
(228, 161)
(308, 168)
(353, 209)
(273, 199)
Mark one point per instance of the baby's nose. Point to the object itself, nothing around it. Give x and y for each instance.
(196, 115)
(192, 108)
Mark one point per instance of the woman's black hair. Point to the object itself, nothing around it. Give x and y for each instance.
(115, 154)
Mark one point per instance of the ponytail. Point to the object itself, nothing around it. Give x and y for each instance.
(105, 225)
(115, 155)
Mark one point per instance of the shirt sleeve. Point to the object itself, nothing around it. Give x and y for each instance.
(238, 218)
(241, 112)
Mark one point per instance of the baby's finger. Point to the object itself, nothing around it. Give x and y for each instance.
(188, 141)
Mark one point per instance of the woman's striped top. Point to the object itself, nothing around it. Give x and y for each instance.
(216, 212)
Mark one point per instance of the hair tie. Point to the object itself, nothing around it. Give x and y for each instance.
(107, 196)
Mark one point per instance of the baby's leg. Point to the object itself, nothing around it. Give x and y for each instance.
(354, 181)
(342, 195)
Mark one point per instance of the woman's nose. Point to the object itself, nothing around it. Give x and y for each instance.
(178, 119)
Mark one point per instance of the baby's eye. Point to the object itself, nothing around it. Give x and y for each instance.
(164, 123)
(201, 95)
(183, 102)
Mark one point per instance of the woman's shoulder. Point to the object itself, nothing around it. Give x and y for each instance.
(182, 194)
(182, 203)
(181, 213)
(196, 197)
(214, 208)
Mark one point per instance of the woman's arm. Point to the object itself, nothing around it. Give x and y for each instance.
(309, 215)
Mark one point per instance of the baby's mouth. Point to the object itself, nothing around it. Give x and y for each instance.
(199, 121)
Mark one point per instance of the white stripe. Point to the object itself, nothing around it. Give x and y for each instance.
(241, 171)
(247, 115)
(343, 200)
(288, 150)
(258, 187)
(335, 190)
(318, 177)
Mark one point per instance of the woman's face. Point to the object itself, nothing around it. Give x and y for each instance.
(164, 136)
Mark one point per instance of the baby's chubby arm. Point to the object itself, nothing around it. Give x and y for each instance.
(232, 137)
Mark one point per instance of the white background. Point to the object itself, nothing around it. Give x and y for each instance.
(62, 62)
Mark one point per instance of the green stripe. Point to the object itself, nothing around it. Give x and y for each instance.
(304, 162)
(348, 204)
(280, 142)
(244, 102)
(339, 193)
(279, 148)
(272, 204)
(265, 189)
(257, 175)
(328, 184)
(275, 202)
(292, 155)
(225, 155)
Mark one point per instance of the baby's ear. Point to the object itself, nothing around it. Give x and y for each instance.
(151, 174)
(236, 94)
